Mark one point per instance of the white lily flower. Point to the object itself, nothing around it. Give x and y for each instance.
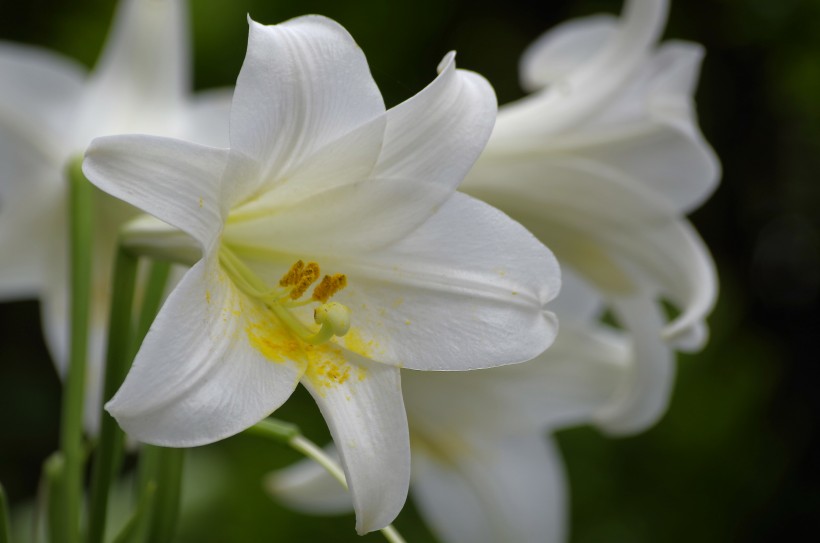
(50, 110)
(319, 174)
(600, 163)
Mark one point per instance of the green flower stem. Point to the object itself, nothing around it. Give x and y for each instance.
(129, 532)
(81, 229)
(54, 470)
(289, 434)
(118, 360)
(5, 528)
(163, 469)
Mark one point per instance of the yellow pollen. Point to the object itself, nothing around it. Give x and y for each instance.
(309, 276)
(330, 285)
(293, 275)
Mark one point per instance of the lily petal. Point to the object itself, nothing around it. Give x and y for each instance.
(509, 489)
(644, 394)
(649, 131)
(143, 75)
(619, 239)
(203, 372)
(358, 217)
(362, 404)
(206, 118)
(304, 84)
(39, 95)
(562, 106)
(176, 181)
(563, 49)
(469, 266)
(566, 385)
(308, 487)
(438, 134)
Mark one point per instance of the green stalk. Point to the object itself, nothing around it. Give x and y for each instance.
(160, 468)
(71, 440)
(129, 532)
(58, 524)
(163, 521)
(160, 472)
(289, 434)
(5, 527)
(118, 360)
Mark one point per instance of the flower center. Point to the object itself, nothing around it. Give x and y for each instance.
(332, 317)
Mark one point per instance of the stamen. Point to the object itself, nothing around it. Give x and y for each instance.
(309, 276)
(333, 318)
(293, 275)
(329, 286)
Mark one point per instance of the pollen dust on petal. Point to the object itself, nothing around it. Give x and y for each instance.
(327, 367)
(273, 340)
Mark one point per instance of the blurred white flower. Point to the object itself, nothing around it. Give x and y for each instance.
(318, 173)
(600, 163)
(50, 110)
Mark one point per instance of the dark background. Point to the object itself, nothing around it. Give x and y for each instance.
(733, 460)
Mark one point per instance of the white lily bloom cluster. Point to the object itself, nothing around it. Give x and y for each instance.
(600, 163)
(319, 176)
(50, 110)
(327, 246)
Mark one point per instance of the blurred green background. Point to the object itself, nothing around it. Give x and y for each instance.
(733, 460)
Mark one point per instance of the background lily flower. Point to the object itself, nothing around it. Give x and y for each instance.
(50, 110)
(320, 177)
(600, 163)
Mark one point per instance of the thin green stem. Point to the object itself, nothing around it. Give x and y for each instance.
(5, 526)
(71, 440)
(118, 360)
(289, 434)
(311, 450)
(160, 473)
(130, 532)
(54, 470)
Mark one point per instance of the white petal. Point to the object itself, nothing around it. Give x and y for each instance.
(362, 404)
(39, 94)
(437, 134)
(142, 77)
(578, 301)
(570, 101)
(353, 218)
(649, 131)
(304, 84)
(176, 181)
(207, 116)
(465, 290)
(27, 227)
(498, 488)
(207, 368)
(621, 239)
(561, 50)
(564, 386)
(308, 487)
(645, 393)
